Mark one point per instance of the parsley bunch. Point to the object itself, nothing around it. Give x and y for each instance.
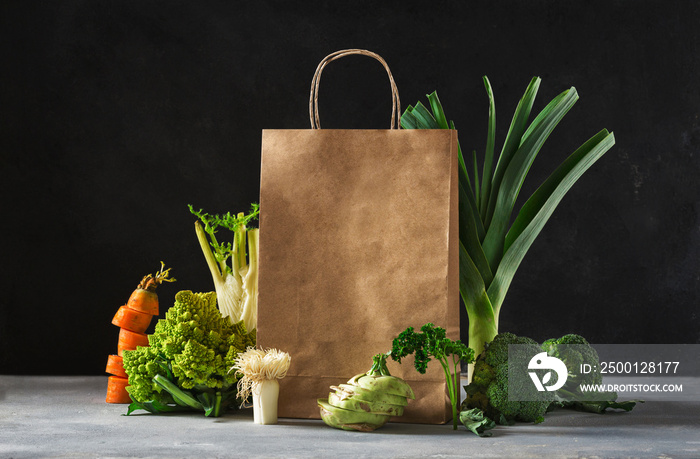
(432, 341)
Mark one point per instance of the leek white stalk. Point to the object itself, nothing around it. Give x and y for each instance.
(265, 396)
(261, 370)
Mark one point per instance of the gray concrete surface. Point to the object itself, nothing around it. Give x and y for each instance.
(67, 417)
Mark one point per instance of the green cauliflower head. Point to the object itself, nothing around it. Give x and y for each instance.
(142, 365)
(193, 342)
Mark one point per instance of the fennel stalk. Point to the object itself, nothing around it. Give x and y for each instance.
(236, 284)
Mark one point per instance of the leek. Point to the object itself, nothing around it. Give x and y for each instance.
(260, 371)
(491, 248)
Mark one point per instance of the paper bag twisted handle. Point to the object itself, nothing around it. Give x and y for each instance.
(316, 82)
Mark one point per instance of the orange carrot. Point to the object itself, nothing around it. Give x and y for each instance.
(116, 390)
(144, 301)
(133, 320)
(128, 341)
(145, 298)
(115, 366)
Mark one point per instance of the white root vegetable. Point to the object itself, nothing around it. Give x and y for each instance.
(261, 370)
(265, 396)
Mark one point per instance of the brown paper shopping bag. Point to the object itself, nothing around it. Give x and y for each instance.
(358, 240)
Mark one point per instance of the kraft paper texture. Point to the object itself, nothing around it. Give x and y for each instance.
(358, 240)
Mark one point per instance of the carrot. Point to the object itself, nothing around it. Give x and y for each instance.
(135, 321)
(144, 301)
(145, 298)
(116, 390)
(128, 341)
(115, 366)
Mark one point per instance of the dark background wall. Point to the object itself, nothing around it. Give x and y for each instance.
(116, 115)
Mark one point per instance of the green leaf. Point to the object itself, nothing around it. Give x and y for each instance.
(600, 407)
(469, 238)
(466, 197)
(408, 120)
(486, 175)
(418, 117)
(477, 190)
(541, 116)
(425, 120)
(537, 210)
(475, 421)
(513, 138)
(483, 323)
(533, 205)
(133, 406)
(424, 117)
(438, 113)
(154, 407)
(211, 403)
(516, 172)
(473, 290)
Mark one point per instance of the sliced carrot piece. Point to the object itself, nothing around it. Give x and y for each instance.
(115, 366)
(131, 319)
(128, 341)
(144, 301)
(116, 390)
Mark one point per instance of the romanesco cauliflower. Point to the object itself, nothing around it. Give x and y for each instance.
(188, 361)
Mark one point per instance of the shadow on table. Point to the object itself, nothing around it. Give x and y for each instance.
(659, 414)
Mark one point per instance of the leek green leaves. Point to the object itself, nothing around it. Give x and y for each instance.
(491, 248)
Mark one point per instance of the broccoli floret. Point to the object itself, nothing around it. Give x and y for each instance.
(574, 350)
(488, 390)
(188, 361)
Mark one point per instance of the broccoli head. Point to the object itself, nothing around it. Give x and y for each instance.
(488, 390)
(189, 357)
(575, 351)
